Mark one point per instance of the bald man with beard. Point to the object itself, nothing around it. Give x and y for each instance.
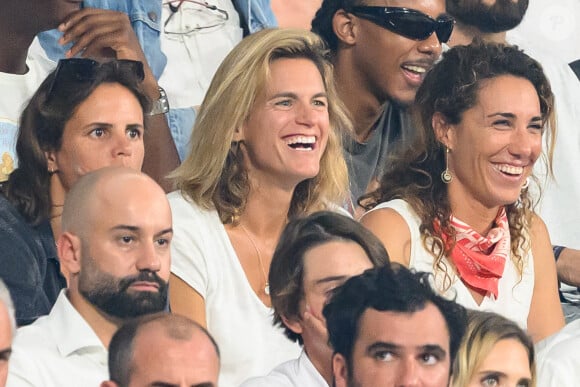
(117, 229)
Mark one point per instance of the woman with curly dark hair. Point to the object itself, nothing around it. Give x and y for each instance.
(457, 203)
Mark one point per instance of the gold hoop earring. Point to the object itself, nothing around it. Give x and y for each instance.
(446, 176)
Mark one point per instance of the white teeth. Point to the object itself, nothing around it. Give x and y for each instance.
(416, 69)
(301, 140)
(510, 169)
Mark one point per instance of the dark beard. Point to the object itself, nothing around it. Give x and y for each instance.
(503, 15)
(114, 298)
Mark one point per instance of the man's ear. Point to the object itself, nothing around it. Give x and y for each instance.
(293, 324)
(69, 252)
(109, 383)
(444, 132)
(339, 370)
(344, 27)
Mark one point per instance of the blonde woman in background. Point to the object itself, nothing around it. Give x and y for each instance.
(494, 352)
(265, 149)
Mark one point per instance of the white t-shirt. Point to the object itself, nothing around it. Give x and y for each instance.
(558, 363)
(514, 295)
(193, 58)
(58, 350)
(16, 90)
(203, 257)
(294, 373)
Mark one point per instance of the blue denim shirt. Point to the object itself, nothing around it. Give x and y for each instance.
(145, 16)
(28, 264)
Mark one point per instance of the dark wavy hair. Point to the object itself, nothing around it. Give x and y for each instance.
(322, 22)
(41, 129)
(450, 89)
(391, 288)
(286, 276)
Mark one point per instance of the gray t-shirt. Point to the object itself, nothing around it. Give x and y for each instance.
(365, 161)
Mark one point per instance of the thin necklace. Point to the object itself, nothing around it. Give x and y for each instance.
(267, 285)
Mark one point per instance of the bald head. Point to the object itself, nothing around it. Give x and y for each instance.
(185, 355)
(99, 189)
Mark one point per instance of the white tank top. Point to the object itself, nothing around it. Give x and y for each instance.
(514, 295)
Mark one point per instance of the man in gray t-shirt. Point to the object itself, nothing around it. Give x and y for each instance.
(381, 58)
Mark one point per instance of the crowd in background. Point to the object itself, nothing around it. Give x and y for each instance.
(273, 193)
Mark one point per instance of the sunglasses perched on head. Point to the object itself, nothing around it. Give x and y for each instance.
(406, 22)
(80, 70)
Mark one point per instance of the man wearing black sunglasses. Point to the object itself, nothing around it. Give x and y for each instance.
(381, 50)
(491, 21)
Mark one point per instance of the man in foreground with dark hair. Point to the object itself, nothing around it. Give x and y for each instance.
(162, 350)
(388, 327)
(115, 243)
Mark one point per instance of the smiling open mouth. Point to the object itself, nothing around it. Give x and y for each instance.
(509, 169)
(415, 69)
(303, 143)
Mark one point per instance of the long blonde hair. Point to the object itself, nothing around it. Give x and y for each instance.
(213, 175)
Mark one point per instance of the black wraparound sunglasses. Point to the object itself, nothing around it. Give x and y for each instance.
(407, 22)
(79, 70)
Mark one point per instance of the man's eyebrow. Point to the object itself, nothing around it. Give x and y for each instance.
(434, 348)
(163, 232)
(125, 227)
(382, 345)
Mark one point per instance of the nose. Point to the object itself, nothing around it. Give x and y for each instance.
(305, 114)
(122, 145)
(430, 46)
(149, 258)
(408, 375)
(525, 144)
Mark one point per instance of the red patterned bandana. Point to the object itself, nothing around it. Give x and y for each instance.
(480, 260)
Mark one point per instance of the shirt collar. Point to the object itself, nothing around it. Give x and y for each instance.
(70, 330)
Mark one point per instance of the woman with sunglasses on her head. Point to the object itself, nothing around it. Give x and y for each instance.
(494, 352)
(84, 116)
(264, 150)
(457, 202)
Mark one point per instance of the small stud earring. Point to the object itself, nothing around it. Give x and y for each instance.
(446, 176)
